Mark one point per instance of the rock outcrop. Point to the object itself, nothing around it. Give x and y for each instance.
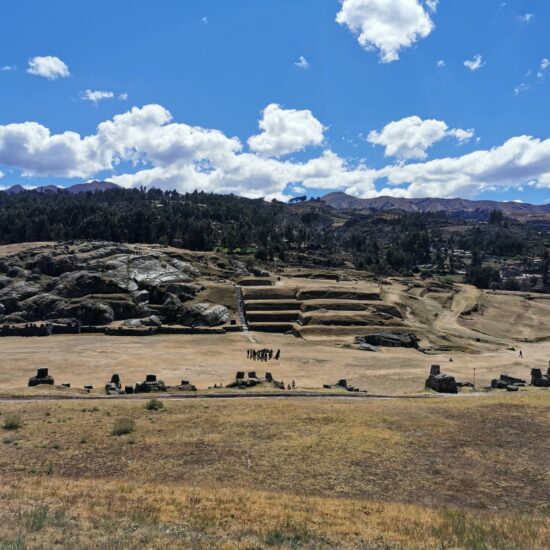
(440, 382)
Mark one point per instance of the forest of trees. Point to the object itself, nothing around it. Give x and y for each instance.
(382, 243)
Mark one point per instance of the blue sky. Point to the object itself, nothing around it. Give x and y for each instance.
(216, 65)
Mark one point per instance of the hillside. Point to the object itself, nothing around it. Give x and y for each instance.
(450, 206)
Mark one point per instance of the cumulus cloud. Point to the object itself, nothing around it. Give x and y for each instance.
(49, 67)
(409, 138)
(387, 25)
(302, 63)
(286, 131)
(476, 63)
(174, 155)
(95, 96)
(520, 160)
(8, 68)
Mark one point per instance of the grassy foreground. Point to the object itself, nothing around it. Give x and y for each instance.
(45, 513)
(444, 473)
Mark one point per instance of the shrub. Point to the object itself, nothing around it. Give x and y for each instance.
(154, 405)
(35, 518)
(12, 422)
(123, 426)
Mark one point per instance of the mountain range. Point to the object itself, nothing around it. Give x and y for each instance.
(341, 200)
(92, 186)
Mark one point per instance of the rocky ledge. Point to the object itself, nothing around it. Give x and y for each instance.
(98, 283)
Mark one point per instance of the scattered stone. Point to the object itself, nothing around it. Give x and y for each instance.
(511, 379)
(151, 384)
(505, 382)
(151, 321)
(186, 386)
(389, 339)
(343, 384)
(440, 382)
(540, 380)
(66, 385)
(42, 377)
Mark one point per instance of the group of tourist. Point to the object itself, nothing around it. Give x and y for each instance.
(263, 354)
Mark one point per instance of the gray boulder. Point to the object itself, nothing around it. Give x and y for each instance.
(83, 283)
(17, 272)
(19, 291)
(42, 377)
(151, 321)
(204, 314)
(42, 306)
(440, 382)
(390, 339)
(54, 266)
(89, 313)
(4, 281)
(141, 296)
(171, 309)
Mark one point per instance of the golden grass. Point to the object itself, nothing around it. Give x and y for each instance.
(443, 473)
(48, 512)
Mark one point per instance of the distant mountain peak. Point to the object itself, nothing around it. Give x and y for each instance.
(341, 200)
(92, 186)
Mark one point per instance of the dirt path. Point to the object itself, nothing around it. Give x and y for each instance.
(252, 395)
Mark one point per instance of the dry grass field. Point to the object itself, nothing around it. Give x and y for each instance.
(213, 359)
(445, 473)
(415, 471)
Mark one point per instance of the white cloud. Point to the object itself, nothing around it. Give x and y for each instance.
(409, 138)
(302, 63)
(476, 63)
(526, 17)
(286, 131)
(49, 67)
(440, 64)
(432, 5)
(387, 25)
(523, 87)
(205, 20)
(544, 64)
(123, 97)
(173, 155)
(519, 160)
(95, 96)
(8, 68)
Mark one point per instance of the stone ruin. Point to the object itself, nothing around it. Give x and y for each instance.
(508, 383)
(249, 380)
(42, 377)
(389, 340)
(187, 386)
(151, 384)
(113, 387)
(29, 329)
(540, 380)
(441, 382)
(241, 382)
(343, 384)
